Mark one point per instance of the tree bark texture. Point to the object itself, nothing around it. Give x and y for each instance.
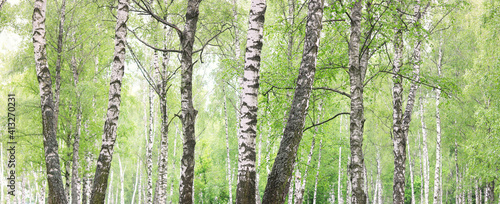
(399, 140)
(149, 150)
(188, 113)
(357, 116)
(340, 198)
(278, 184)
(437, 179)
(75, 180)
(49, 116)
(425, 159)
(245, 192)
(161, 184)
(110, 125)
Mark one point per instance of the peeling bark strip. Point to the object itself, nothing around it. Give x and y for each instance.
(49, 118)
(188, 113)
(245, 192)
(277, 183)
(357, 109)
(110, 125)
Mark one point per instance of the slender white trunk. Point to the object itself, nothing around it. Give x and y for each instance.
(140, 188)
(317, 171)
(331, 199)
(110, 193)
(457, 181)
(173, 163)
(379, 180)
(122, 181)
(136, 182)
(229, 175)
(425, 156)
(410, 164)
(437, 179)
(291, 181)
(257, 177)
(339, 193)
(348, 196)
(149, 152)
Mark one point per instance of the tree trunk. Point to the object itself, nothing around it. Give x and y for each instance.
(457, 185)
(188, 114)
(228, 160)
(49, 118)
(425, 156)
(437, 179)
(62, 18)
(410, 164)
(398, 133)
(348, 196)
(122, 181)
(245, 192)
(299, 195)
(110, 126)
(75, 180)
(357, 119)
(317, 172)
(379, 180)
(149, 151)
(136, 181)
(490, 189)
(278, 184)
(161, 194)
(257, 172)
(110, 193)
(339, 192)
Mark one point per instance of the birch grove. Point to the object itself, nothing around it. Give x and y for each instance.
(258, 121)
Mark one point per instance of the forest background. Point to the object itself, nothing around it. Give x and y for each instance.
(450, 146)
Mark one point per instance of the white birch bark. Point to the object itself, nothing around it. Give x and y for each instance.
(122, 181)
(317, 172)
(410, 164)
(110, 126)
(188, 113)
(425, 156)
(49, 118)
(229, 175)
(136, 182)
(245, 192)
(149, 152)
(437, 179)
(339, 193)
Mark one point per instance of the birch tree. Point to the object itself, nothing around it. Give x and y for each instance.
(277, 183)
(110, 125)
(245, 192)
(49, 118)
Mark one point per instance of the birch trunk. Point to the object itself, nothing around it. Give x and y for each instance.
(49, 118)
(478, 193)
(149, 152)
(348, 196)
(257, 172)
(278, 184)
(437, 179)
(161, 184)
(457, 198)
(410, 164)
(299, 195)
(122, 181)
(357, 119)
(379, 180)
(228, 159)
(245, 192)
(110, 193)
(339, 192)
(425, 156)
(490, 189)
(317, 172)
(188, 113)
(75, 180)
(136, 181)
(62, 18)
(110, 126)
(399, 141)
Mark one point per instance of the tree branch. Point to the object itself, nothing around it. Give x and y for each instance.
(321, 123)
